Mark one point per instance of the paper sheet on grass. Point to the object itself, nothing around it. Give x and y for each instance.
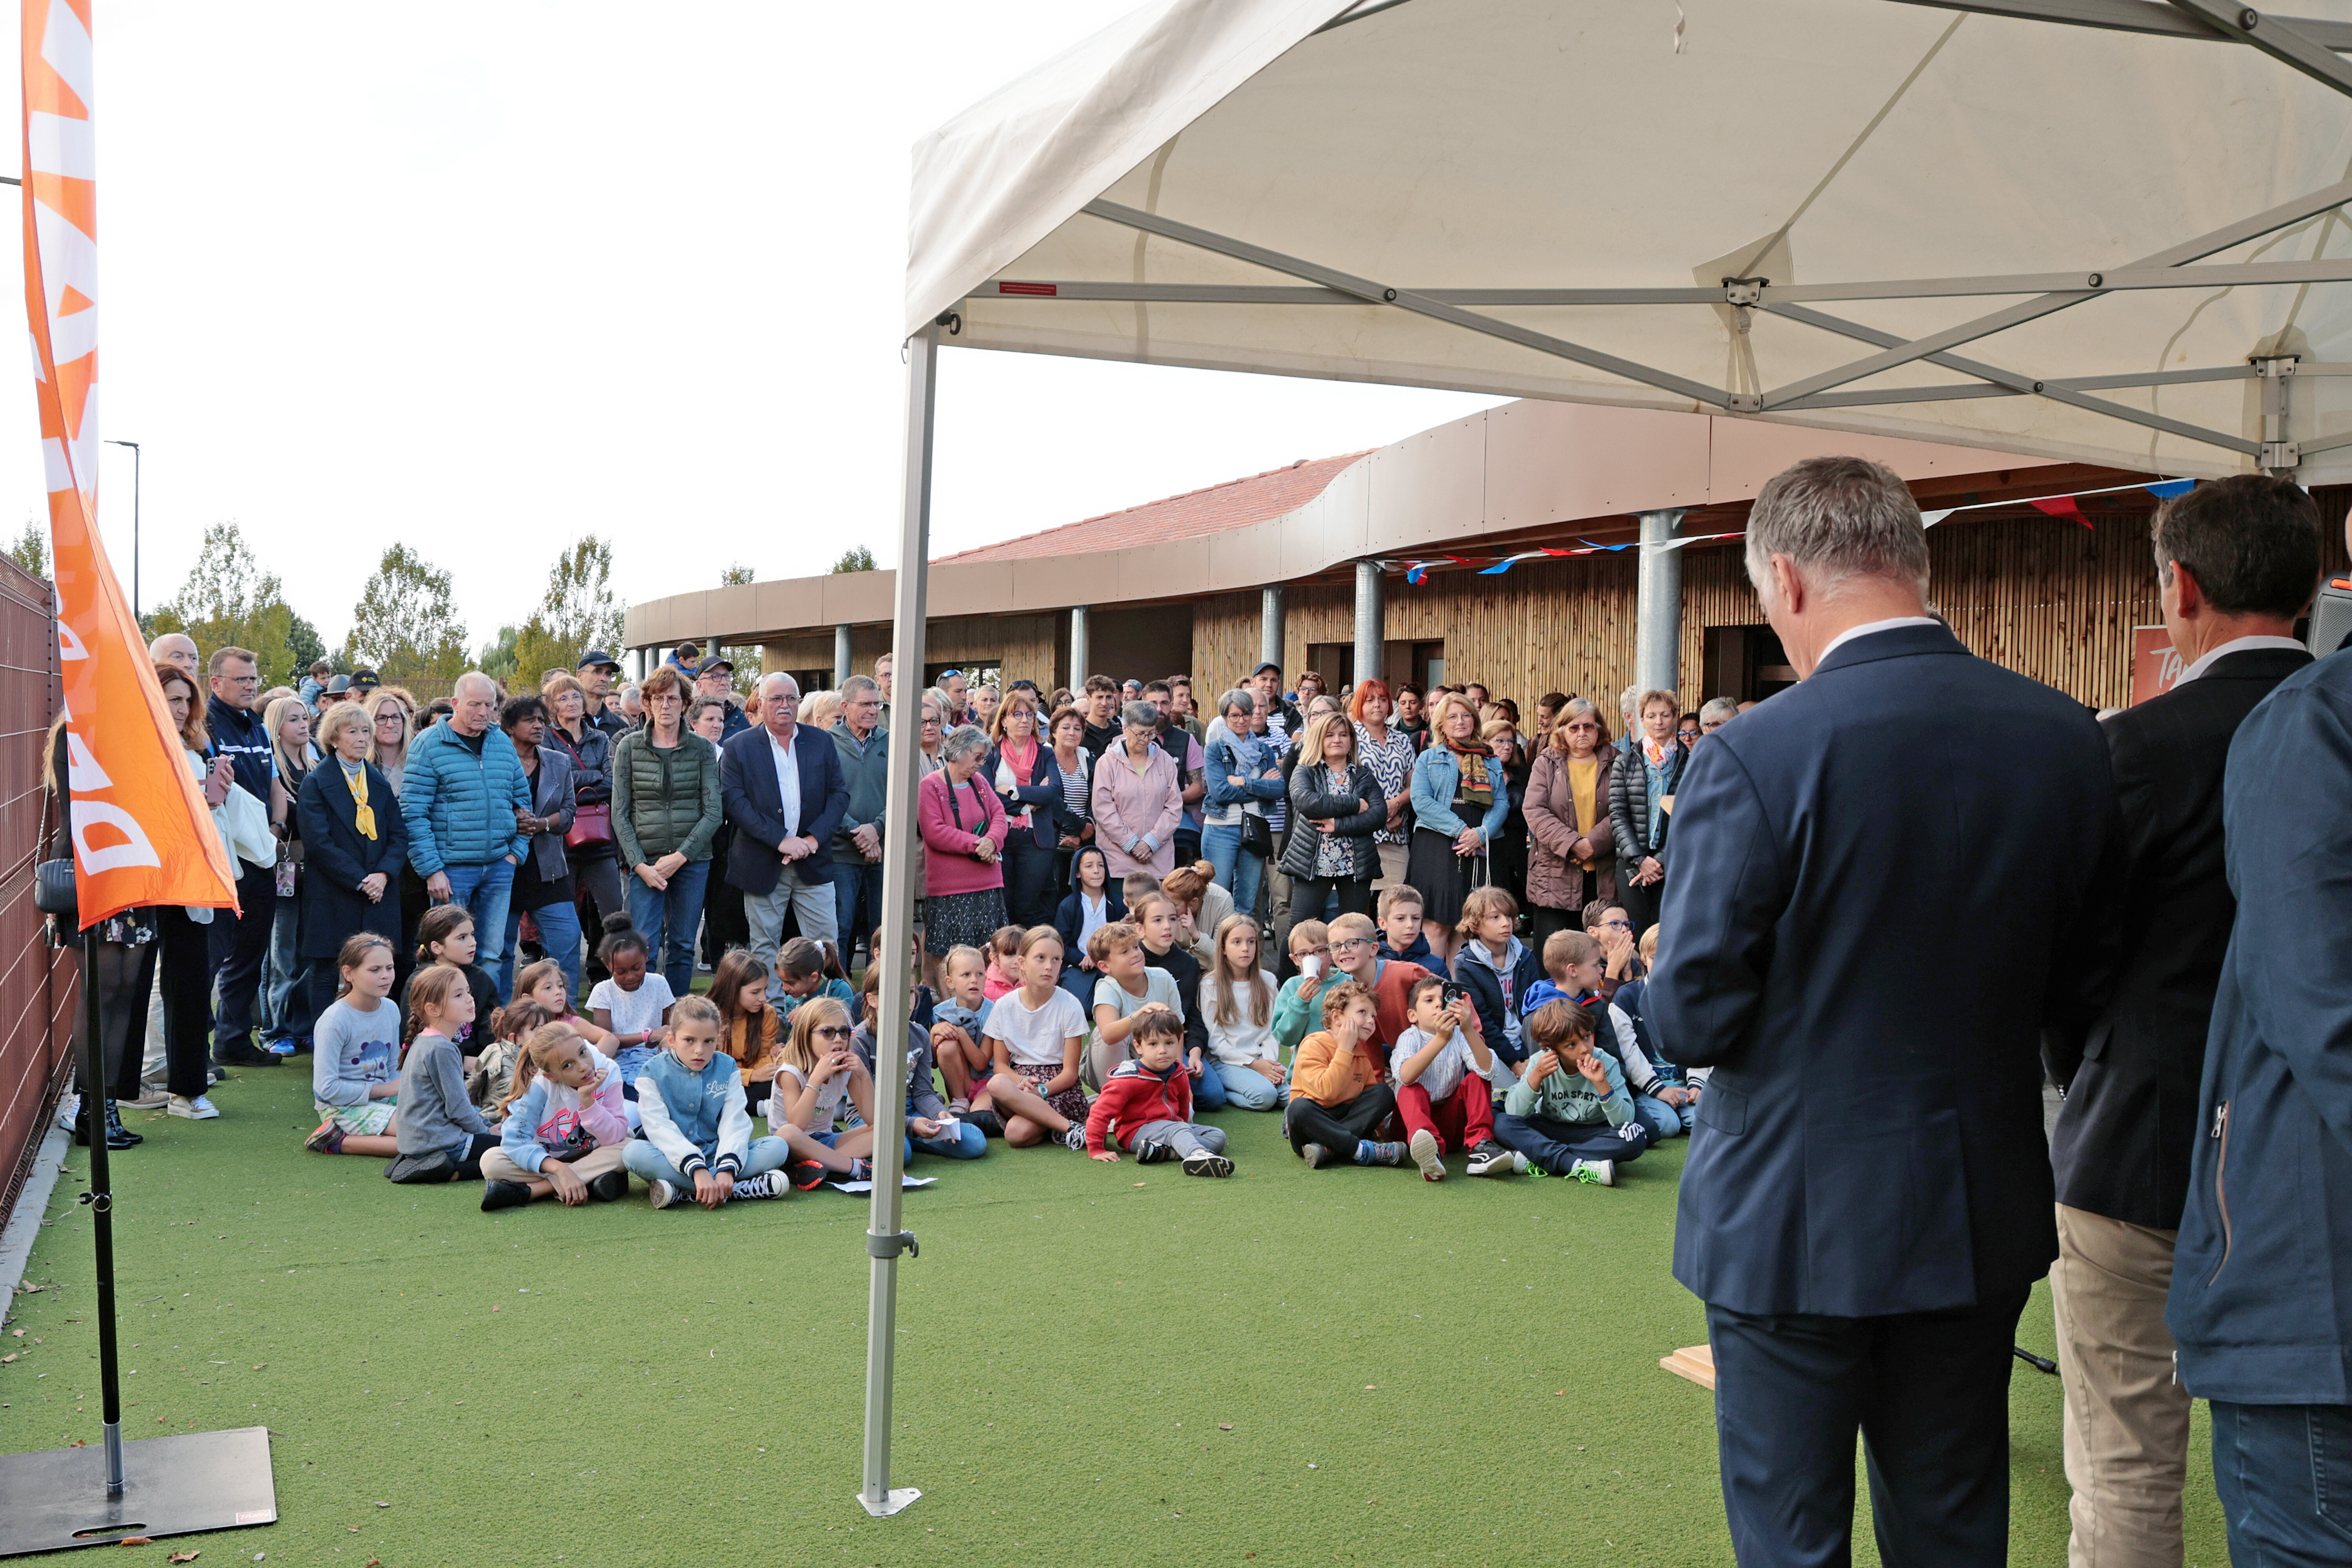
(904, 1183)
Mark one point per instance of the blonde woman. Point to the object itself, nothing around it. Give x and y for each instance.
(1336, 808)
(1460, 799)
(285, 1020)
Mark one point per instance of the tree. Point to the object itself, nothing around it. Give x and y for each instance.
(405, 626)
(31, 549)
(307, 647)
(536, 653)
(497, 658)
(856, 558)
(578, 611)
(735, 576)
(228, 601)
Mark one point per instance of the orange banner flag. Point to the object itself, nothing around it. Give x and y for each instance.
(142, 833)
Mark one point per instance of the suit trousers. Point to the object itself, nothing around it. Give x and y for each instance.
(810, 898)
(239, 944)
(1928, 1392)
(2126, 1433)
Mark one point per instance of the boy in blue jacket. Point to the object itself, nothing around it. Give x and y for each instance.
(1570, 1115)
(698, 1140)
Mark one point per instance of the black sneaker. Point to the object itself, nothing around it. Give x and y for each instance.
(991, 1125)
(1153, 1153)
(1200, 1162)
(245, 1054)
(118, 1136)
(497, 1196)
(610, 1187)
(807, 1174)
(1493, 1159)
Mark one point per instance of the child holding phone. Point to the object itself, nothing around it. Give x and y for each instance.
(1444, 1071)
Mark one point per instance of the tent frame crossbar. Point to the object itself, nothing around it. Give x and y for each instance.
(2145, 17)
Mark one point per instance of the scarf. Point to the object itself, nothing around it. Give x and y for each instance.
(1474, 791)
(363, 817)
(1023, 762)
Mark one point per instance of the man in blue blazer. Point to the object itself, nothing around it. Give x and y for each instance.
(782, 787)
(2262, 1282)
(1888, 879)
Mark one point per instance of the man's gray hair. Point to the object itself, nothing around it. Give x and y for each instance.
(777, 675)
(471, 678)
(1835, 519)
(963, 741)
(1724, 708)
(1240, 696)
(1144, 713)
(857, 687)
(1627, 698)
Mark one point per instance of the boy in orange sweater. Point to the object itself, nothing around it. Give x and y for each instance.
(1146, 1104)
(1339, 1093)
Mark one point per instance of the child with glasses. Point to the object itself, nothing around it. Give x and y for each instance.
(818, 1073)
(1609, 925)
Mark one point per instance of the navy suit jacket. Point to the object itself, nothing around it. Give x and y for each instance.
(1875, 908)
(747, 790)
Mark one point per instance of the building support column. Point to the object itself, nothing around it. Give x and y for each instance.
(1079, 671)
(841, 671)
(1658, 606)
(1370, 620)
(1269, 632)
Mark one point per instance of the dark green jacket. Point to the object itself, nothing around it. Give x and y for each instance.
(664, 800)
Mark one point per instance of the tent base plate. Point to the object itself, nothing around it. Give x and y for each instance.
(171, 1486)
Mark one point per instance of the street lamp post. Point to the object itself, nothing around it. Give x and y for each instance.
(135, 467)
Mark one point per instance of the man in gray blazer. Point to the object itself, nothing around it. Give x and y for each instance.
(1888, 879)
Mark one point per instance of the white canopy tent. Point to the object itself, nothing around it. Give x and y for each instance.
(2092, 230)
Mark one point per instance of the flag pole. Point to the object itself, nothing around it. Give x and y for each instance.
(100, 1199)
(885, 1240)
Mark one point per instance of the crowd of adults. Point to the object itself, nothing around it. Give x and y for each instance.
(1908, 895)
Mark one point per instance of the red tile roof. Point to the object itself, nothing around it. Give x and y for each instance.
(1236, 503)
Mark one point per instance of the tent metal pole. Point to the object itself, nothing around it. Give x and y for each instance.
(2204, 245)
(1658, 604)
(2276, 36)
(885, 1239)
(2136, 16)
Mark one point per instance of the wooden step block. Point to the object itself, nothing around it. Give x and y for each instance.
(1694, 1361)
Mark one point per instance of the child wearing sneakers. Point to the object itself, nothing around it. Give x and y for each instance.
(566, 1126)
(440, 1136)
(1038, 1035)
(1127, 985)
(698, 1140)
(1339, 1094)
(356, 1055)
(1570, 1115)
(1575, 962)
(818, 1077)
(1446, 1078)
(1146, 1108)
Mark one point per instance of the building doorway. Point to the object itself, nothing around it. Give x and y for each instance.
(1745, 663)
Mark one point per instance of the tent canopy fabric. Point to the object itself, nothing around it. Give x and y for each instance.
(1238, 185)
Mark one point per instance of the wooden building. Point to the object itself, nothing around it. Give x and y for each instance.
(1298, 564)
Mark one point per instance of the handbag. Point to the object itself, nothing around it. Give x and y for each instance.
(1257, 834)
(590, 824)
(53, 880)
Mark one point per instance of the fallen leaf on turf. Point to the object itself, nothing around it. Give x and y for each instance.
(498, 1309)
(136, 1541)
(383, 1505)
(353, 1528)
(1556, 1390)
(375, 1562)
(80, 1443)
(12, 1355)
(1139, 1184)
(1371, 1387)
(1227, 1426)
(184, 1556)
(260, 1365)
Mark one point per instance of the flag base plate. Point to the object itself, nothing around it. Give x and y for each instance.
(171, 1486)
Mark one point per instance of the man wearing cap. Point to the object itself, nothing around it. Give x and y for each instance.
(715, 680)
(339, 690)
(364, 681)
(596, 671)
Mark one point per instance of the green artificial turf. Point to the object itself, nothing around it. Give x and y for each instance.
(1113, 1366)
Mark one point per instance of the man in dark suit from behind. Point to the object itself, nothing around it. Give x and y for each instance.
(1892, 875)
(2236, 562)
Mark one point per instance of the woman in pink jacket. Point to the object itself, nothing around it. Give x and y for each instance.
(961, 820)
(1139, 798)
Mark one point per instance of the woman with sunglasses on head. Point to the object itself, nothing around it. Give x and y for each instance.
(1571, 850)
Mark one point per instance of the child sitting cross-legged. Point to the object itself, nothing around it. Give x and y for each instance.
(566, 1126)
(1038, 1035)
(440, 1135)
(698, 1140)
(1339, 1094)
(356, 1060)
(931, 1127)
(1574, 962)
(818, 1073)
(1569, 1114)
(1236, 1005)
(1146, 1108)
(1445, 1076)
(1126, 986)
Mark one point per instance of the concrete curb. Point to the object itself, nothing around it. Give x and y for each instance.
(25, 1219)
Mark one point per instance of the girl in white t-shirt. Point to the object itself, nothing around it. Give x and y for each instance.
(633, 1006)
(1038, 1032)
(817, 1072)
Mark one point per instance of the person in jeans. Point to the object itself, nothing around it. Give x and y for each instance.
(462, 789)
(863, 747)
(665, 812)
(1242, 777)
(544, 888)
(240, 941)
(782, 787)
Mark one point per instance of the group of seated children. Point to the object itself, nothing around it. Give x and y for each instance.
(1409, 1060)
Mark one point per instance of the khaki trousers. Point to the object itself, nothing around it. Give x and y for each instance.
(496, 1167)
(2126, 1432)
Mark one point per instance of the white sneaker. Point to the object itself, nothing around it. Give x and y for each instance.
(69, 1112)
(663, 1194)
(1423, 1147)
(152, 1097)
(1599, 1172)
(200, 1108)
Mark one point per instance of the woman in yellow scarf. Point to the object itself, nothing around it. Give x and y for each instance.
(353, 844)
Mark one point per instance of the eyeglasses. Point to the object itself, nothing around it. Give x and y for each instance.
(1687, 735)
(1621, 925)
(1345, 944)
(1586, 729)
(831, 1031)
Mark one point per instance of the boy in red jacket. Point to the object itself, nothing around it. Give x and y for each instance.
(1146, 1105)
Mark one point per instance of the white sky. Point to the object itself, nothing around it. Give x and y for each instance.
(483, 277)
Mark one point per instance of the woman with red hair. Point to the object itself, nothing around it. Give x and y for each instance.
(1389, 753)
